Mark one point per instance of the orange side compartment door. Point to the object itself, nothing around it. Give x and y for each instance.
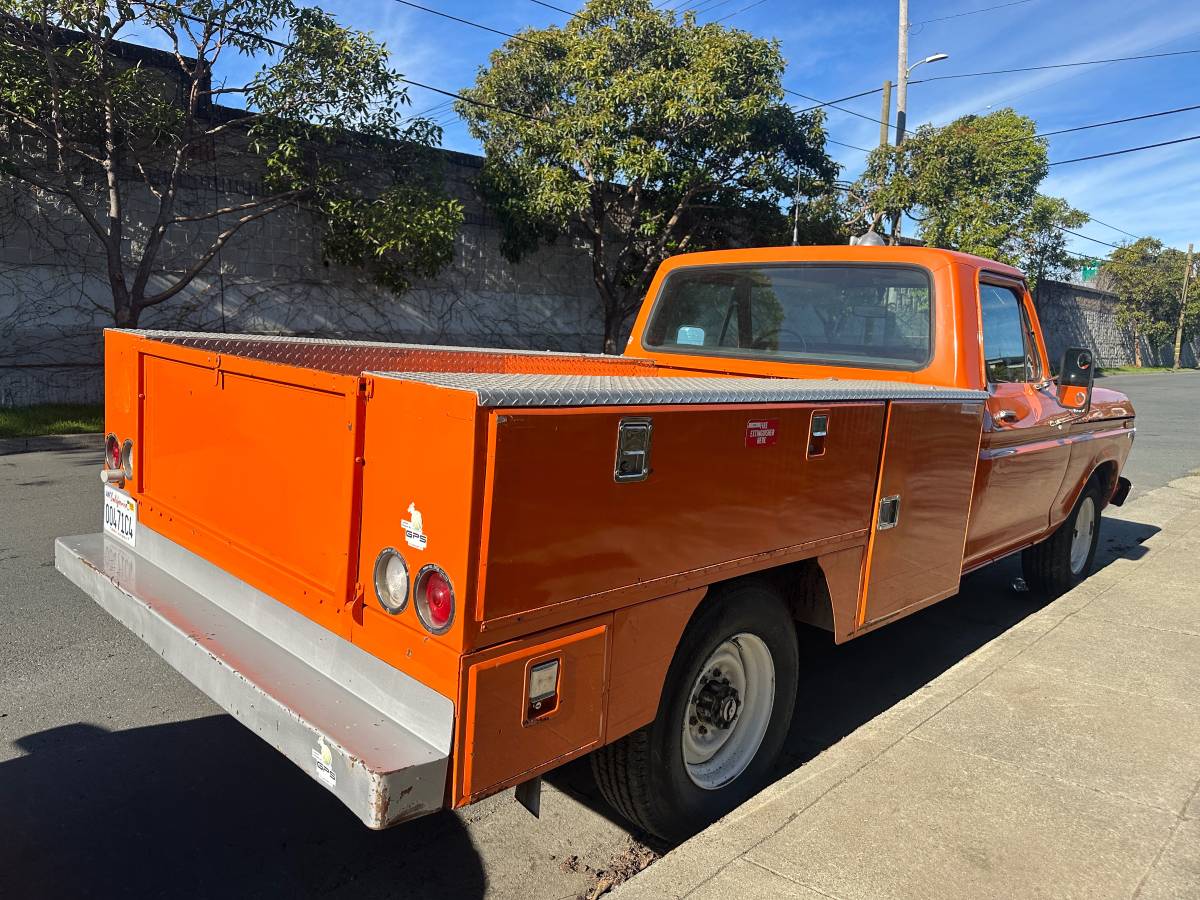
(924, 502)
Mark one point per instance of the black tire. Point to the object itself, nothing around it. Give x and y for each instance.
(1047, 566)
(643, 775)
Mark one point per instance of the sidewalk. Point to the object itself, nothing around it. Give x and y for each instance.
(1060, 760)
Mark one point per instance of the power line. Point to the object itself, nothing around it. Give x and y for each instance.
(1060, 162)
(745, 8)
(1086, 62)
(464, 99)
(1089, 62)
(1114, 228)
(841, 99)
(833, 105)
(1154, 115)
(830, 140)
(565, 12)
(474, 24)
(1086, 238)
(707, 6)
(973, 12)
(427, 87)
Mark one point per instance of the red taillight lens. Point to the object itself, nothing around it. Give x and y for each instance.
(434, 599)
(112, 452)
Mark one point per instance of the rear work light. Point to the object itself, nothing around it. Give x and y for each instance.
(127, 459)
(434, 599)
(391, 580)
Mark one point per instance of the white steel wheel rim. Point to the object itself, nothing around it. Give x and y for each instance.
(740, 671)
(1081, 537)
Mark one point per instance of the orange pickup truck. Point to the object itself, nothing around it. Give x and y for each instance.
(427, 574)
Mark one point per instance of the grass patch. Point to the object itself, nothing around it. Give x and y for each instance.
(51, 418)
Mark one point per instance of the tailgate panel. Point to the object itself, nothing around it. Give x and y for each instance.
(256, 473)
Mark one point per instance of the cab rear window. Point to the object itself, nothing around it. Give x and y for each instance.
(847, 314)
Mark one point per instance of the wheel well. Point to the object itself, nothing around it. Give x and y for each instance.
(802, 585)
(1105, 476)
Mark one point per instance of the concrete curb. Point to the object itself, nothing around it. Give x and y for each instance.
(722, 848)
(92, 441)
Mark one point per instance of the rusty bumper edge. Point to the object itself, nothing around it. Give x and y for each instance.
(375, 737)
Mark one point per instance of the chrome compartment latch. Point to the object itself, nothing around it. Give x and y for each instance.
(889, 512)
(633, 450)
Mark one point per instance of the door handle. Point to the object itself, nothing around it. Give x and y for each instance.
(1005, 415)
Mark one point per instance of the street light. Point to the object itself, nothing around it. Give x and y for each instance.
(902, 87)
(937, 57)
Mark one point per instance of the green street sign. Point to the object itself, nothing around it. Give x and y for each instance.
(1091, 269)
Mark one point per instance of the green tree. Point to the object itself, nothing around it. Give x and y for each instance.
(115, 136)
(1039, 245)
(971, 184)
(1148, 280)
(647, 133)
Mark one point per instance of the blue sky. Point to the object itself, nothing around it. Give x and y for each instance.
(835, 48)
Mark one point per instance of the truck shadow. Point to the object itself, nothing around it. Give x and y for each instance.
(203, 808)
(188, 809)
(843, 688)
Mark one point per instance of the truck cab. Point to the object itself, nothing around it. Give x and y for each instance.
(428, 574)
(877, 318)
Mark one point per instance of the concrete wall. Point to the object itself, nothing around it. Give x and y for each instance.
(271, 279)
(1076, 316)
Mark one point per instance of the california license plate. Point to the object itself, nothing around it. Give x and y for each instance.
(120, 515)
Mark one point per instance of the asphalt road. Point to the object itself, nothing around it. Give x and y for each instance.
(118, 778)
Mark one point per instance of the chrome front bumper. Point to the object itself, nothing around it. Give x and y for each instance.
(375, 737)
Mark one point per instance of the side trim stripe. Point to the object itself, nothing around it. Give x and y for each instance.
(1044, 444)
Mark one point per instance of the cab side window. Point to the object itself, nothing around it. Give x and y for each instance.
(1008, 348)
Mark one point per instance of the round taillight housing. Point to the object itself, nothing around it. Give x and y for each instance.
(391, 581)
(433, 596)
(127, 459)
(112, 452)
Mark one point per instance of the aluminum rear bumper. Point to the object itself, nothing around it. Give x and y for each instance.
(375, 737)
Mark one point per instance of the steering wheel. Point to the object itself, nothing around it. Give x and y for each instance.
(764, 340)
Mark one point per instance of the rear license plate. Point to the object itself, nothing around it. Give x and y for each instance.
(120, 515)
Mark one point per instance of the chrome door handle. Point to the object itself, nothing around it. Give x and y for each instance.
(1005, 415)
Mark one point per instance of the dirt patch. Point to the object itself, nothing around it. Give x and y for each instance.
(633, 858)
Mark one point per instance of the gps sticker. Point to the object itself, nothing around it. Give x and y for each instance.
(414, 528)
(323, 763)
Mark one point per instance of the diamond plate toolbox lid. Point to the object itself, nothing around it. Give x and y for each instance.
(518, 390)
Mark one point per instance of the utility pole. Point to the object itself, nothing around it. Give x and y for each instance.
(902, 74)
(796, 210)
(885, 113)
(901, 96)
(1187, 280)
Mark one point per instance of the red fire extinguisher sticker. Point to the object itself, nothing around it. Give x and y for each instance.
(762, 432)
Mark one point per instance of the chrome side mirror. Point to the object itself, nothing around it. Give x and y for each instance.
(1075, 378)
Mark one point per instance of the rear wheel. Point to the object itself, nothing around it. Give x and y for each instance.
(724, 714)
(1064, 559)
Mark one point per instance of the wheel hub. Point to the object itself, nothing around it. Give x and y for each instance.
(718, 704)
(728, 711)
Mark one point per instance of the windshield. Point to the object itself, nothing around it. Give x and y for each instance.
(846, 314)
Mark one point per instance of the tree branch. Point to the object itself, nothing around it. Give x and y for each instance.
(196, 268)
